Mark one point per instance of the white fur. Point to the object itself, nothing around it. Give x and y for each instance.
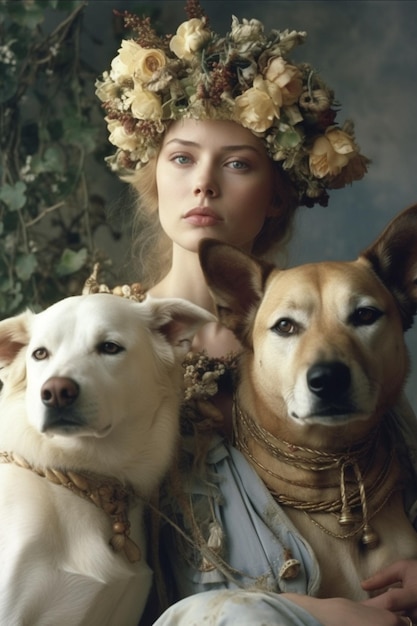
(56, 563)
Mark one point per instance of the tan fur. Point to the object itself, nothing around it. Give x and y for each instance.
(324, 360)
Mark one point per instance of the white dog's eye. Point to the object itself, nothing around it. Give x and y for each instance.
(365, 316)
(285, 326)
(40, 354)
(109, 347)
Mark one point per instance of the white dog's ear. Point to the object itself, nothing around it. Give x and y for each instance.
(236, 281)
(393, 257)
(14, 335)
(178, 320)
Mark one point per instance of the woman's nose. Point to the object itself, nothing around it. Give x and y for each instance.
(205, 184)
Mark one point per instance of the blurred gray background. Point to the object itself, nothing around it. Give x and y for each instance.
(366, 51)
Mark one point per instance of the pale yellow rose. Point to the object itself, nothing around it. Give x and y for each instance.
(144, 104)
(257, 107)
(137, 63)
(120, 138)
(331, 153)
(287, 77)
(341, 141)
(148, 62)
(190, 37)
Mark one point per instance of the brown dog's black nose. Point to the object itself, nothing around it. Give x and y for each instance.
(328, 379)
(59, 392)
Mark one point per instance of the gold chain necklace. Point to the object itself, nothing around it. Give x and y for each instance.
(312, 460)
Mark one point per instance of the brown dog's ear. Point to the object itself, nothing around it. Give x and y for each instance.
(236, 281)
(393, 257)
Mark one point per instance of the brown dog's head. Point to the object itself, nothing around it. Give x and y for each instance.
(323, 343)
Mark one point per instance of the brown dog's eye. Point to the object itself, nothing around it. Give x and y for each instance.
(40, 354)
(285, 326)
(109, 347)
(365, 316)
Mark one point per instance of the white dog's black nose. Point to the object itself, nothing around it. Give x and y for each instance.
(329, 379)
(59, 392)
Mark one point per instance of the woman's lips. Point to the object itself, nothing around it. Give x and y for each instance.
(202, 216)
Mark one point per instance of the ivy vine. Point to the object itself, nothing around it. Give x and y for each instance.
(47, 132)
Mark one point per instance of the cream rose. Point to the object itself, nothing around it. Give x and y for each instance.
(257, 107)
(148, 62)
(137, 63)
(287, 77)
(190, 37)
(120, 138)
(119, 72)
(331, 153)
(144, 104)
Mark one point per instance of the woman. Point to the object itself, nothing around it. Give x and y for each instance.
(225, 137)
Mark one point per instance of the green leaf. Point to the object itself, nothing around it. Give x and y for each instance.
(78, 132)
(27, 14)
(54, 159)
(8, 83)
(25, 266)
(289, 138)
(14, 196)
(70, 262)
(11, 298)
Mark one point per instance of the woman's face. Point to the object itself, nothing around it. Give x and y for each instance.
(214, 179)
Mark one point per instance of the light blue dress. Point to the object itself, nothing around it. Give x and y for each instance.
(260, 553)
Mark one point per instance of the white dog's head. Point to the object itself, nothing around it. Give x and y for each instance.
(100, 367)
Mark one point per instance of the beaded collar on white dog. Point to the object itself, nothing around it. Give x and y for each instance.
(109, 494)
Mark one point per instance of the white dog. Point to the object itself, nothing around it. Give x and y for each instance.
(88, 424)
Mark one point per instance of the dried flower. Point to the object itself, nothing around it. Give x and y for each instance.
(202, 374)
(246, 77)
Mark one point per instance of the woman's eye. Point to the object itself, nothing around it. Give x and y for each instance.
(109, 347)
(40, 354)
(237, 165)
(181, 159)
(365, 316)
(285, 327)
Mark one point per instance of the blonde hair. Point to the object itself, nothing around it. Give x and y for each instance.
(152, 248)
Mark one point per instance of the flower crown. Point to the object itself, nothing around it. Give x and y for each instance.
(246, 77)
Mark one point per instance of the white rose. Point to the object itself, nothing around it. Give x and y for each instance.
(119, 72)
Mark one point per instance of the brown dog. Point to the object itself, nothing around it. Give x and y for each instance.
(323, 365)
